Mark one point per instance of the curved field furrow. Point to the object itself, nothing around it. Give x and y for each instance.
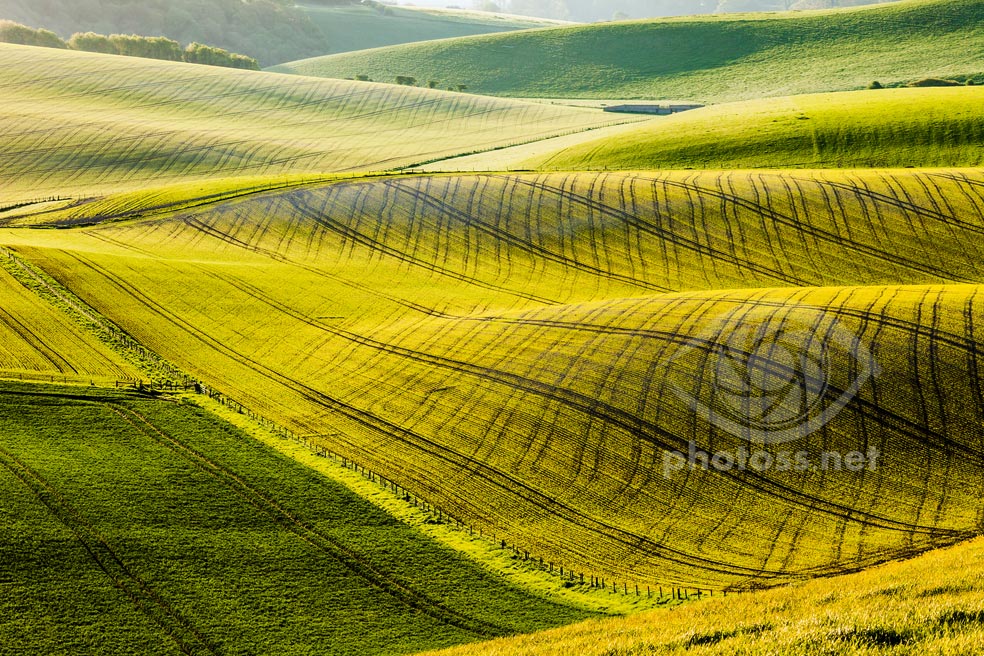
(82, 124)
(552, 357)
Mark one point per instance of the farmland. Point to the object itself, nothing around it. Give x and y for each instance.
(60, 350)
(295, 365)
(79, 124)
(707, 59)
(142, 525)
(929, 605)
(520, 373)
(885, 128)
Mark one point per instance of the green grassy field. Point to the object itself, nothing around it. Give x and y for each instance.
(135, 525)
(78, 124)
(936, 127)
(509, 347)
(708, 59)
(357, 27)
(930, 605)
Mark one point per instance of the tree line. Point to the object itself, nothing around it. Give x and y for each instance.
(128, 45)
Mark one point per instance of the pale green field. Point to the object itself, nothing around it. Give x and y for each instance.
(78, 124)
(932, 127)
(933, 604)
(509, 346)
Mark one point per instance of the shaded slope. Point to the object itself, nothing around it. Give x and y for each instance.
(708, 59)
(884, 128)
(163, 530)
(76, 124)
(524, 350)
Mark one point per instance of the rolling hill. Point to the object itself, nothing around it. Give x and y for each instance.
(929, 605)
(80, 124)
(933, 127)
(38, 342)
(357, 27)
(141, 525)
(707, 59)
(525, 351)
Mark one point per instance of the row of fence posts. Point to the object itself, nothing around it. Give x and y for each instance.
(566, 574)
(33, 201)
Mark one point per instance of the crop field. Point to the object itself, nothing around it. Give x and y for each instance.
(519, 349)
(38, 342)
(935, 127)
(136, 525)
(930, 605)
(709, 59)
(78, 124)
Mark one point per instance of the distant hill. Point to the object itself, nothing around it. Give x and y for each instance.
(598, 10)
(356, 27)
(710, 59)
(271, 31)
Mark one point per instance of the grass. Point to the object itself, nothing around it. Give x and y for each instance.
(481, 549)
(81, 125)
(146, 525)
(358, 27)
(886, 128)
(708, 59)
(929, 605)
(507, 347)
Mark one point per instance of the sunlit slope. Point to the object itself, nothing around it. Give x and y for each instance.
(710, 59)
(39, 342)
(527, 350)
(935, 127)
(76, 124)
(161, 529)
(930, 605)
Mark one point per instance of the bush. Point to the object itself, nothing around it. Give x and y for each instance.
(92, 42)
(130, 45)
(934, 82)
(11, 32)
(876, 85)
(406, 80)
(199, 53)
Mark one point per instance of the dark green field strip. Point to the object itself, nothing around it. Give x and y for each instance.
(185, 636)
(319, 540)
(176, 494)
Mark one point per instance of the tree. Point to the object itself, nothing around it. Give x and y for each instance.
(92, 42)
(875, 85)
